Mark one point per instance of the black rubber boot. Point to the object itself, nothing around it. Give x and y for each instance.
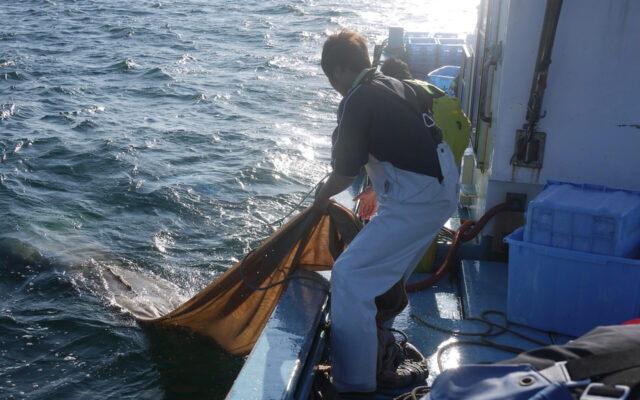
(402, 366)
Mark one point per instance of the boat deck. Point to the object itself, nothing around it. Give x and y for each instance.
(460, 303)
(280, 364)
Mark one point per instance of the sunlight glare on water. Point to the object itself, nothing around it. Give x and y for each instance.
(453, 16)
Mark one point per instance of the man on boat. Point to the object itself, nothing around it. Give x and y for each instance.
(415, 190)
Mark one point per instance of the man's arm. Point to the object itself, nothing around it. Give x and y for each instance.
(334, 185)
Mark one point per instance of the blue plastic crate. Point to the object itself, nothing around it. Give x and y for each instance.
(568, 291)
(585, 217)
(451, 40)
(442, 35)
(422, 49)
(409, 36)
(451, 49)
(421, 40)
(421, 60)
(452, 54)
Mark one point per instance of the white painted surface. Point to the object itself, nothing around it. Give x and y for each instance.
(593, 87)
(592, 100)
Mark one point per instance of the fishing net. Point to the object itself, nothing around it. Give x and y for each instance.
(234, 309)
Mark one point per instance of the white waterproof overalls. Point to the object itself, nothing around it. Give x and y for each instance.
(411, 210)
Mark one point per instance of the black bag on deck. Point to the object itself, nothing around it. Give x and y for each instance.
(603, 364)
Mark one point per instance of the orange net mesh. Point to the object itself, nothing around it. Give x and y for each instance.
(234, 309)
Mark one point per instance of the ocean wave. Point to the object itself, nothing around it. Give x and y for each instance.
(185, 59)
(89, 110)
(8, 36)
(123, 66)
(51, 93)
(12, 76)
(22, 143)
(185, 46)
(284, 9)
(6, 111)
(67, 117)
(158, 73)
(200, 98)
(60, 117)
(121, 32)
(169, 94)
(85, 125)
(333, 12)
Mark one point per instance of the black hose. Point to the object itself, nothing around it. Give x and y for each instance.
(484, 336)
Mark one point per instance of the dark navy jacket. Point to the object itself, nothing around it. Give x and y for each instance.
(372, 120)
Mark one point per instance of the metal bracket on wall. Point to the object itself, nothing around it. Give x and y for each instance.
(494, 55)
(529, 151)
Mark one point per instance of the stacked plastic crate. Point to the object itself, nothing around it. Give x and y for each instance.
(426, 52)
(422, 55)
(451, 51)
(574, 265)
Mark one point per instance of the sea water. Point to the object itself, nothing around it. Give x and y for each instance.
(154, 141)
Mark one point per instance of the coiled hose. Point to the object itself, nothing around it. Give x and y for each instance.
(460, 235)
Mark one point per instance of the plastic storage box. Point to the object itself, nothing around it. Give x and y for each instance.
(426, 51)
(443, 76)
(568, 291)
(584, 217)
(451, 54)
(453, 40)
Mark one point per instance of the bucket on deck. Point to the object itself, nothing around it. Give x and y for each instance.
(443, 76)
(427, 261)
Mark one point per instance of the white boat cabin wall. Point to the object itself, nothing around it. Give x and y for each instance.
(590, 108)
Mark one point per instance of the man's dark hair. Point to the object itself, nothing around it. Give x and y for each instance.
(345, 49)
(396, 68)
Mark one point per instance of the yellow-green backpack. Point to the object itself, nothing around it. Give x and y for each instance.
(447, 114)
